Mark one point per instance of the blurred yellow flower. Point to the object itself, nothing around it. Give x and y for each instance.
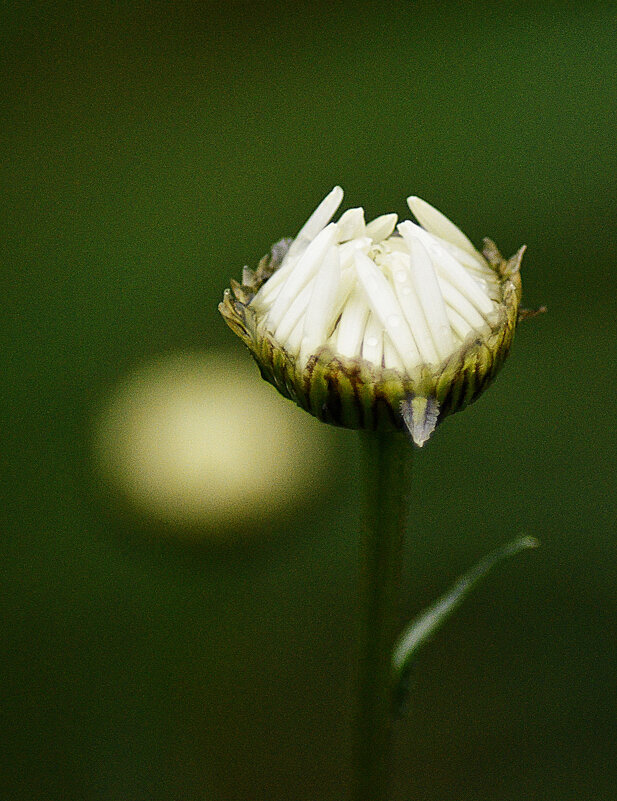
(191, 439)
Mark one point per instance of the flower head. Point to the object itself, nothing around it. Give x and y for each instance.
(378, 325)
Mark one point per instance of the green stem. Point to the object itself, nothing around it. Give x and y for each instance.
(387, 463)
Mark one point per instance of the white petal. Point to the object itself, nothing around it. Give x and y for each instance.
(459, 303)
(461, 327)
(381, 227)
(458, 276)
(346, 285)
(450, 268)
(488, 284)
(330, 290)
(390, 355)
(382, 300)
(348, 249)
(399, 266)
(322, 214)
(350, 330)
(474, 261)
(372, 345)
(270, 288)
(427, 288)
(396, 243)
(438, 224)
(293, 315)
(315, 223)
(351, 224)
(487, 281)
(295, 338)
(303, 271)
(322, 308)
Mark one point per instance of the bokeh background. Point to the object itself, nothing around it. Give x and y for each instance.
(179, 551)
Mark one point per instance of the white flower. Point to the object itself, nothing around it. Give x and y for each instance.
(378, 325)
(396, 296)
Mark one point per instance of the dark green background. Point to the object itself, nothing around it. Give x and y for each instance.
(149, 151)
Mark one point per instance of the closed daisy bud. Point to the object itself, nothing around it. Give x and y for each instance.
(377, 325)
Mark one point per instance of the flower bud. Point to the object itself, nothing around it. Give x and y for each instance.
(378, 325)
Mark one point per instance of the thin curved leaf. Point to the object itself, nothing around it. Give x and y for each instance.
(431, 619)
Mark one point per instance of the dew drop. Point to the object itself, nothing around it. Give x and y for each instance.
(394, 321)
(372, 342)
